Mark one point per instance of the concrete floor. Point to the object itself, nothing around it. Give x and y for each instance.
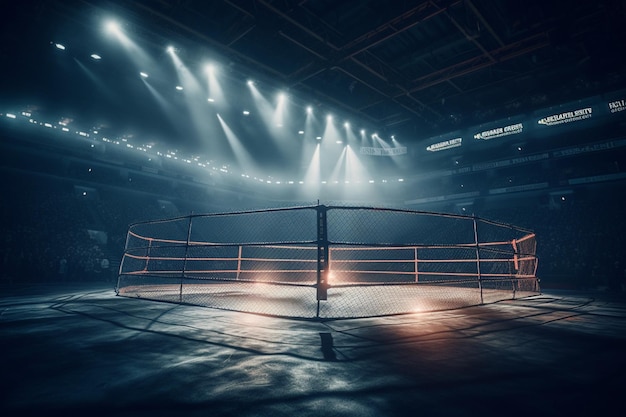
(76, 350)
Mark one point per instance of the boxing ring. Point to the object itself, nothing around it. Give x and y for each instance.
(326, 262)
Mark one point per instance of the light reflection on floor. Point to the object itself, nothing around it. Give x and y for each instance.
(84, 350)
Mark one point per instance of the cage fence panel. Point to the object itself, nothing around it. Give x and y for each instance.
(370, 261)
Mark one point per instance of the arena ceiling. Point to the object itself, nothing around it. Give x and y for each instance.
(412, 68)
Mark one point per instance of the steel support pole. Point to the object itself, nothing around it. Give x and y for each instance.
(322, 256)
(182, 277)
(480, 283)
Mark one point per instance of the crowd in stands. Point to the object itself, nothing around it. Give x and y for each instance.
(581, 237)
(45, 233)
(54, 231)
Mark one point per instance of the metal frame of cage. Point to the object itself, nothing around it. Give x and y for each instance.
(489, 270)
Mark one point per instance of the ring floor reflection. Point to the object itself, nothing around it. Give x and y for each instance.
(82, 349)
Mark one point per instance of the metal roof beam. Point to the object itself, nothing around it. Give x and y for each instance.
(479, 62)
(397, 25)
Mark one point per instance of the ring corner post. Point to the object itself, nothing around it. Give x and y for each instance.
(478, 274)
(184, 269)
(322, 256)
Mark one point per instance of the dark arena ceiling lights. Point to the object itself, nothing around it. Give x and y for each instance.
(412, 69)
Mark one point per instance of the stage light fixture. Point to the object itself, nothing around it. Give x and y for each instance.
(179, 87)
(143, 74)
(60, 46)
(96, 57)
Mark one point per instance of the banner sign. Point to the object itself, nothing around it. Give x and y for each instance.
(597, 178)
(576, 150)
(518, 188)
(498, 132)
(400, 150)
(617, 106)
(508, 162)
(443, 198)
(447, 144)
(566, 117)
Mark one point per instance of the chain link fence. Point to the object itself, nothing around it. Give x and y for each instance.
(328, 261)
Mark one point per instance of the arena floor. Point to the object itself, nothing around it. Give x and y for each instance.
(82, 350)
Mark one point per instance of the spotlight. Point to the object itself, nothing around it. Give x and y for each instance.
(143, 74)
(96, 57)
(309, 109)
(179, 87)
(170, 49)
(60, 46)
(250, 83)
(112, 26)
